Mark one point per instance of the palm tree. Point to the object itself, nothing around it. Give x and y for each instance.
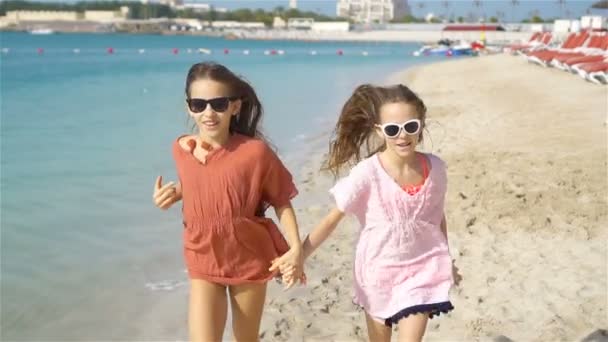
(513, 4)
(445, 5)
(533, 13)
(500, 15)
(420, 6)
(602, 4)
(561, 7)
(479, 4)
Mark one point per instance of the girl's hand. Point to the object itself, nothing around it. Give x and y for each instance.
(165, 195)
(287, 275)
(291, 266)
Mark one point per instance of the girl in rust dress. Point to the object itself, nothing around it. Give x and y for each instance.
(228, 177)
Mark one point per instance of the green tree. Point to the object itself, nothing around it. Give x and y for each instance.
(536, 19)
(603, 4)
(408, 19)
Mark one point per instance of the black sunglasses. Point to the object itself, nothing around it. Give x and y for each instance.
(218, 104)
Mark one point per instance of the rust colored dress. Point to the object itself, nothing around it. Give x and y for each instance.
(226, 238)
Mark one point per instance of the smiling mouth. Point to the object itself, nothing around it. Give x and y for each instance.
(210, 124)
(404, 144)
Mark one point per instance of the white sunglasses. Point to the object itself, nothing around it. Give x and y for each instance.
(392, 130)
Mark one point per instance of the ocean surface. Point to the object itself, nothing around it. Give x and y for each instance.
(84, 133)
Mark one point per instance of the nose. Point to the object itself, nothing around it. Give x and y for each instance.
(209, 112)
(402, 134)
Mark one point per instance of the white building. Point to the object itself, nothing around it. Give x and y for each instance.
(370, 11)
(231, 24)
(170, 3)
(279, 23)
(300, 23)
(293, 4)
(107, 16)
(330, 26)
(42, 16)
(195, 7)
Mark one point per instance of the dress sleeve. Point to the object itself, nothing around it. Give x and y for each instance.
(277, 184)
(351, 192)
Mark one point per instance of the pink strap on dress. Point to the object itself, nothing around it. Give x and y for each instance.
(413, 189)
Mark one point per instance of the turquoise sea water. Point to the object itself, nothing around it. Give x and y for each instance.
(83, 136)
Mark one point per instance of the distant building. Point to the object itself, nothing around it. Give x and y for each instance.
(170, 3)
(107, 16)
(195, 7)
(279, 23)
(293, 4)
(300, 23)
(370, 11)
(331, 26)
(231, 24)
(42, 16)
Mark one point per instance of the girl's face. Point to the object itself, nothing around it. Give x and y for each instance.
(211, 105)
(400, 127)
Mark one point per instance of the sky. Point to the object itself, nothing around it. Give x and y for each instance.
(524, 9)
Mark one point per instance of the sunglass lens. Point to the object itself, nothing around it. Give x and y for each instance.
(391, 130)
(197, 105)
(412, 127)
(219, 104)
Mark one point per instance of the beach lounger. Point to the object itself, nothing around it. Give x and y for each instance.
(571, 46)
(595, 51)
(594, 72)
(534, 39)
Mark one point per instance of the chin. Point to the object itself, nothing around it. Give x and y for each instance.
(211, 132)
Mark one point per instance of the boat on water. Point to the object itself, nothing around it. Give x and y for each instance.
(41, 31)
(446, 47)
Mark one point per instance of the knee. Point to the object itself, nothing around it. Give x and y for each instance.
(240, 335)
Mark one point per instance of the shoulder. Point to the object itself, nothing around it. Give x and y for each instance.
(181, 142)
(435, 162)
(438, 169)
(365, 166)
(253, 149)
(251, 143)
(362, 171)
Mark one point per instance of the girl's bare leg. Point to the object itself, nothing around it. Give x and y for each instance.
(377, 331)
(412, 328)
(247, 303)
(207, 312)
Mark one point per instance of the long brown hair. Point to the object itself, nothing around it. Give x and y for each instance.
(356, 124)
(246, 121)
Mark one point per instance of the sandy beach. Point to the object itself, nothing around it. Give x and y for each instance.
(526, 153)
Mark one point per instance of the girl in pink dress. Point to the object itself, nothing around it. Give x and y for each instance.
(402, 269)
